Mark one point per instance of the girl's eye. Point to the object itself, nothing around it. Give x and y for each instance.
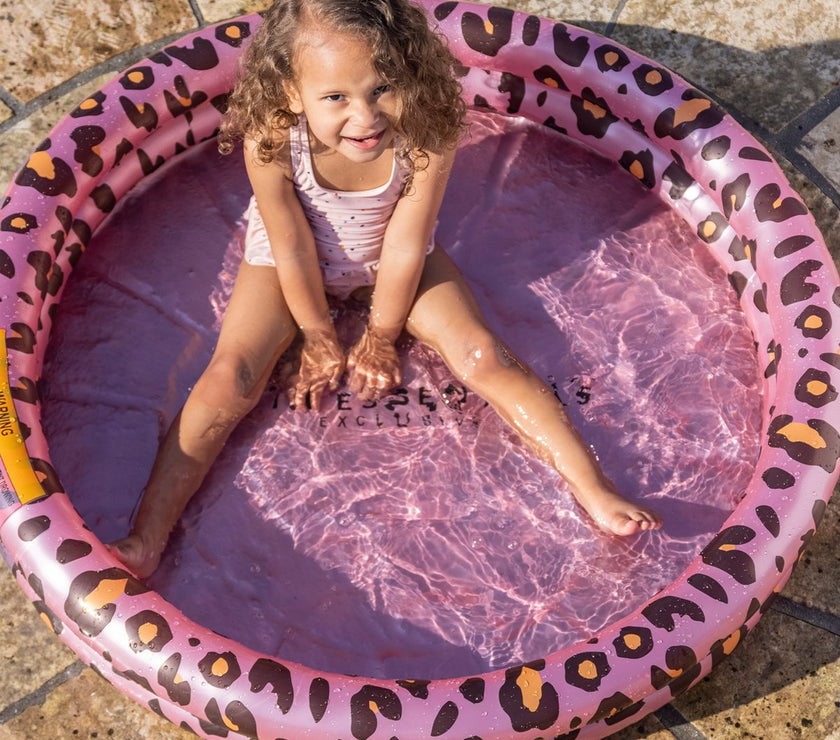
(381, 90)
(335, 97)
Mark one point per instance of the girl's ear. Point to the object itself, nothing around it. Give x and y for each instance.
(295, 104)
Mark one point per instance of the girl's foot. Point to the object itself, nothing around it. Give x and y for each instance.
(135, 555)
(614, 514)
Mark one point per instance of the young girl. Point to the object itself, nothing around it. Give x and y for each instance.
(350, 117)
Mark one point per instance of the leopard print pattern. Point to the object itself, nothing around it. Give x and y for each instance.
(674, 140)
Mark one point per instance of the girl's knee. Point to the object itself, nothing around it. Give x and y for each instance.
(230, 383)
(484, 360)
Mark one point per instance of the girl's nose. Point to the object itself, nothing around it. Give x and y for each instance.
(365, 113)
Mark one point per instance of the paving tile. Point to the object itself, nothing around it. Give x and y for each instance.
(591, 14)
(87, 706)
(783, 682)
(219, 10)
(30, 651)
(23, 137)
(814, 582)
(5, 112)
(821, 146)
(46, 43)
(770, 60)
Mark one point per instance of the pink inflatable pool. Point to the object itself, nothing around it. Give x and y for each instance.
(583, 88)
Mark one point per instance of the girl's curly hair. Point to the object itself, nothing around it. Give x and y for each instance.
(411, 58)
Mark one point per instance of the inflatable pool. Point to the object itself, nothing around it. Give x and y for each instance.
(666, 135)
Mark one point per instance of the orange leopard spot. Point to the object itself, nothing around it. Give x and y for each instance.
(798, 432)
(594, 109)
(43, 164)
(106, 592)
(690, 109)
(531, 685)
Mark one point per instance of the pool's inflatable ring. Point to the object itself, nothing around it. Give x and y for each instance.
(666, 134)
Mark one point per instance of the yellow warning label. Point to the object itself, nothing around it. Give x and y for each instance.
(19, 481)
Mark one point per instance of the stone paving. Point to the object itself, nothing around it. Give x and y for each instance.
(774, 66)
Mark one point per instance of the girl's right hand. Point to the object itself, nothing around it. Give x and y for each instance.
(321, 368)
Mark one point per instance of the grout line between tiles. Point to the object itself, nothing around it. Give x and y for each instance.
(674, 721)
(808, 614)
(39, 696)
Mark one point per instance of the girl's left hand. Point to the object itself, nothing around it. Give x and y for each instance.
(374, 366)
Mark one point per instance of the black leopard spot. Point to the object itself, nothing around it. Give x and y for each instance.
(445, 719)
(319, 698)
(48, 175)
(594, 116)
(444, 10)
(776, 478)
(487, 36)
(267, 672)
(33, 528)
(769, 518)
(104, 198)
(814, 322)
(366, 703)
(549, 76)
(528, 701)
(814, 442)
(792, 244)
(49, 276)
(652, 80)
(709, 586)
(220, 669)
(680, 180)
(515, 86)
(176, 687)
(418, 689)
(184, 101)
(615, 708)
(754, 154)
(770, 206)
(71, 550)
(147, 630)
(734, 194)
(795, 286)
(233, 33)
(473, 690)
(587, 670)
(138, 78)
(681, 670)
(695, 113)
(611, 58)
(569, 51)
(633, 642)
(236, 718)
(18, 223)
(722, 553)
(201, 56)
(660, 612)
(87, 140)
(91, 598)
(724, 647)
(814, 388)
(91, 106)
(716, 148)
(640, 165)
(141, 115)
(711, 228)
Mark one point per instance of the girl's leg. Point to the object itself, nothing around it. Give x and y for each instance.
(256, 330)
(447, 318)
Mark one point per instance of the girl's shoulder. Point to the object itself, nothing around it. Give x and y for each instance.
(275, 153)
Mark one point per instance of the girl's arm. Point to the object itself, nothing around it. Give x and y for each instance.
(373, 362)
(293, 249)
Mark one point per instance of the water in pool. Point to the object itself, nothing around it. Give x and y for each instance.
(418, 536)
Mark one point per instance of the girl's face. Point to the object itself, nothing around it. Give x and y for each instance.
(348, 106)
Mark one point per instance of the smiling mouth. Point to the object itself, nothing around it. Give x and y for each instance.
(365, 142)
